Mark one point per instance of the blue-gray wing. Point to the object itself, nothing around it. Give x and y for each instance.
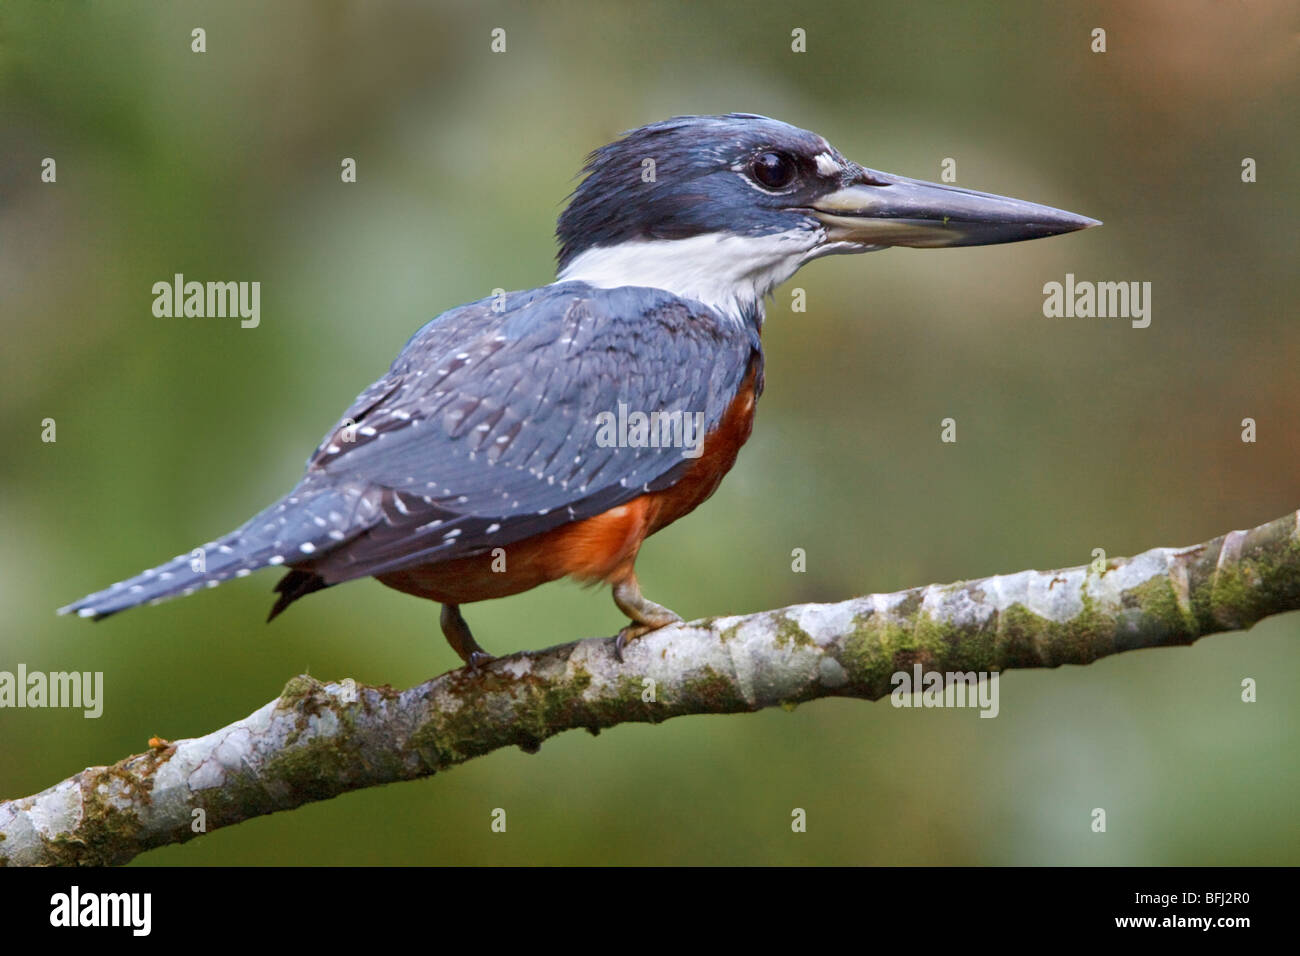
(507, 417)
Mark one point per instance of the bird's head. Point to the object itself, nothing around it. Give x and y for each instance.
(724, 208)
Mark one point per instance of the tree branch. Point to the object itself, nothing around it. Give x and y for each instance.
(319, 740)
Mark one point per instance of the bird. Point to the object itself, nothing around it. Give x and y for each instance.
(544, 434)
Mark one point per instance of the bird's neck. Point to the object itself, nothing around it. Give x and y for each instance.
(729, 272)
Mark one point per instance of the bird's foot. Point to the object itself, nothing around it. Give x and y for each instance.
(630, 633)
(646, 615)
(462, 641)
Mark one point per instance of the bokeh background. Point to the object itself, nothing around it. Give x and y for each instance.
(1073, 434)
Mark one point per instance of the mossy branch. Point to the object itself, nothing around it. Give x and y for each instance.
(319, 740)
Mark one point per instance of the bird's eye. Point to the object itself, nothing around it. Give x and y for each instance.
(773, 170)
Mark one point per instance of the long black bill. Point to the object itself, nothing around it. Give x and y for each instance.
(886, 210)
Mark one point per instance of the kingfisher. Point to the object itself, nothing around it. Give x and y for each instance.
(483, 463)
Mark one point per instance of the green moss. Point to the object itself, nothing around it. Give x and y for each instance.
(298, 689)
(789, 632)
(624, 702)
(1026, 639)
(1234, 596)
(910, 605)
(871, 650)
(712, 693)
(1086, 636)
(938, 643)
(105, 835)
(1265, 580)
(1153, 616)
(1017, 636)
(439, 740)
(304, 695)
(537, 706)
(312, 771)
(580, 680)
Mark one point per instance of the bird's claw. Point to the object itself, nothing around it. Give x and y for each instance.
(633, 631)
(622, 640)
(475, 661)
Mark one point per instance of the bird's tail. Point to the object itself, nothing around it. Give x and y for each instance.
(301, 525)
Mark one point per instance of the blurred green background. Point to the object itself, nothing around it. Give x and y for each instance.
(1073, 433)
